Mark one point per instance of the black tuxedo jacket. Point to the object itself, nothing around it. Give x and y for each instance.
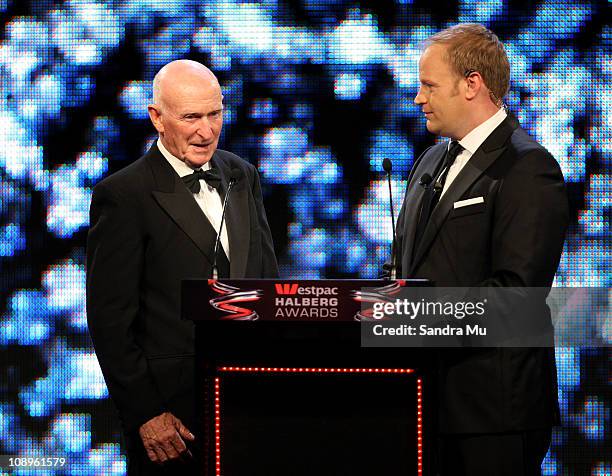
(513, 239)
(146, 234)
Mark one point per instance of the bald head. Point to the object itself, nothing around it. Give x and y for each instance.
(187, 111)
(181, 72)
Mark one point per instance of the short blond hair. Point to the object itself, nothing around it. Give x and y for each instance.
(473, 47)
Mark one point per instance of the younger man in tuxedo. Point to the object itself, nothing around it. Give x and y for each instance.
(494, 213)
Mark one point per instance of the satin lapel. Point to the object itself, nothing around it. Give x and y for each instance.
(486, 154)
(236, 218)
(179, 204)
(414, 199)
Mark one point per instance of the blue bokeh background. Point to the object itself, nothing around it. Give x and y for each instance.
(317, 93)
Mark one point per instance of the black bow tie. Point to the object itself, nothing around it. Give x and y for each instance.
(211, 176)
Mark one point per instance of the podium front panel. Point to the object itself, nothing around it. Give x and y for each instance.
(289, 395)
(322, 421)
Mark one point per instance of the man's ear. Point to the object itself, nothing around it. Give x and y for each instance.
(155, 115)
(474, 84)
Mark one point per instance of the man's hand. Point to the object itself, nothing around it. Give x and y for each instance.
(162, 437)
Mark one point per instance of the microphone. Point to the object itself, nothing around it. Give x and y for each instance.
(235, 176)
(387, 166)
(426, 179)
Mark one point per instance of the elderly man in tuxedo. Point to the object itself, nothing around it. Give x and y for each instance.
(487, 207)
(153, 224)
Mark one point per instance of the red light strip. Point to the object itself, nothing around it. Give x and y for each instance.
(317, 370)
(314, 370)
(420, 427)
(217, 426)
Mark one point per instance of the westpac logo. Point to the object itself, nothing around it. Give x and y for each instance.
(291, 288)
(294, 301)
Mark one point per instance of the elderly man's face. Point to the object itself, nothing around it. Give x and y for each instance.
(189, 119)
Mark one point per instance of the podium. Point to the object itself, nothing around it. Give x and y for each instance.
(284, 386)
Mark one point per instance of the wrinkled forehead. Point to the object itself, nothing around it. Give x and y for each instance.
(191, 91)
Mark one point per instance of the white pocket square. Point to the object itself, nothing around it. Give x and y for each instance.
(469, 201)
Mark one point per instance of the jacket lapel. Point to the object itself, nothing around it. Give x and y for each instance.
(413, 200)
(482, 159)
(237, 218)
(179, 204)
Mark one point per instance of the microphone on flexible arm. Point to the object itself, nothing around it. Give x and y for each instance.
(387, 166)
(235, 175)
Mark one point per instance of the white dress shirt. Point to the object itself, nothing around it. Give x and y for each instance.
(471, 142)
(208, 198)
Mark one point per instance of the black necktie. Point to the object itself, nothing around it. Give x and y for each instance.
(453, 151)
(433, 192)
(211, 176)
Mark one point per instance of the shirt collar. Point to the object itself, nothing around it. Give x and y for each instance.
(479, 134)
(180, 167)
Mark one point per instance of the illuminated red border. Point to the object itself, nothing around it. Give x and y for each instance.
(217, 426)
(336, 370)
(419, 426)
(339, 370)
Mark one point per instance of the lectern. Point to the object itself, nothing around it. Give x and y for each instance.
(285, 387)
